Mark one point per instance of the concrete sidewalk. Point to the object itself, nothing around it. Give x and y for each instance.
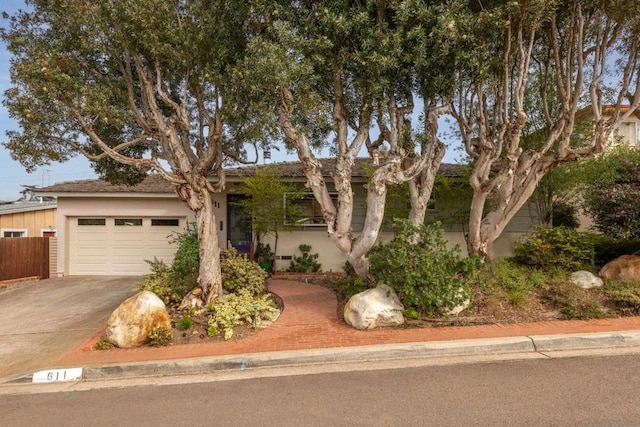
(309, 332)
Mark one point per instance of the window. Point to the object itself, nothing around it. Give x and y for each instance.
(92, 221)
(637, 133)
(165, 222)
(9, 232)
(130, 222)
(305, 210)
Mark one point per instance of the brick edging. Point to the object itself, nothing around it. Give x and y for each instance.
(5, 283)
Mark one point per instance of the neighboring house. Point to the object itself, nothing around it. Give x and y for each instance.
(628, 133)
(106, 229)
(28, 219)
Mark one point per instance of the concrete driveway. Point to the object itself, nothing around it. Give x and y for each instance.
(41, 321)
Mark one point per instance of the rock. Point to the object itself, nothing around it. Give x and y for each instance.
(374, 308)
(586, 279)
(625, 268)
(459, 308)
(129, 325)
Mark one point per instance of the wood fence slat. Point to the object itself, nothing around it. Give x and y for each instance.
(24, 257)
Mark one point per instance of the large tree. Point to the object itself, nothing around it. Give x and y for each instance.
(135, 86)
(580, 54)
(343, 68)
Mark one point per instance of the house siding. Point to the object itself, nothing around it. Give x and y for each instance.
(32, 221)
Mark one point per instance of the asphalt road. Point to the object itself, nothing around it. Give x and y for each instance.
(41, 321)
(577, 391)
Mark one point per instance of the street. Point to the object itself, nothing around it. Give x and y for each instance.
(580, 391)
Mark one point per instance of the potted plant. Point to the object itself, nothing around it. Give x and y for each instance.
(265, 257)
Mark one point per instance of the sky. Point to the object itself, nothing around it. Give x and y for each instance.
(13, 175)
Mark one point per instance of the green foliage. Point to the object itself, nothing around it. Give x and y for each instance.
(239, 273)
(212, 330)
(555, 247)
(238, 309)
(184, 323)
(160, 336)
(350, 285)
(305, 263)
(574, 302)
(186, 261)
(608, 248)
(265, 204)
(165, 283)
(565, 215)
(418, 265)
(612, 198)
(103, 344)
(625, 297)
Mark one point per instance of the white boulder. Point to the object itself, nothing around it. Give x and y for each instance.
(586, 279)
(129, 325)
(374, 308)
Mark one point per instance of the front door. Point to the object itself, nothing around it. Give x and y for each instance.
(239, 229)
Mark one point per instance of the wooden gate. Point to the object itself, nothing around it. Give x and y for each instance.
(24, 257)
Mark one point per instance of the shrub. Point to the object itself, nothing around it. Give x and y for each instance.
(240, 273)
(184, 323)
(418, 266)
(160, 336)
(163, 281)
(186, 261)
(239, 309)
(549, 247)
(607, 248)
(306, 262)
(612, 198)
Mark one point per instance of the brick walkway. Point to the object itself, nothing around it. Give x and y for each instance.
(309, 321)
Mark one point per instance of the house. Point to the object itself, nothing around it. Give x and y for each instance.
(28, 219)
(106, 229)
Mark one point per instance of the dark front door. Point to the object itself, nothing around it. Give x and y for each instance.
(239, 229)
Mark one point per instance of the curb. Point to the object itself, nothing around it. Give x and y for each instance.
(434, 349)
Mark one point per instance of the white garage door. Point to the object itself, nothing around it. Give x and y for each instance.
(119, 245)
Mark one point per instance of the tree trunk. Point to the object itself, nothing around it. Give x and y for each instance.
(209, 274)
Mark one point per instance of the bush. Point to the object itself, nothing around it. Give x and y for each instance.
(305, 263)
(612, 198)
(240, 273)
(186, 261)
(234, 310)
(418, 266)
(608, 248)
(184, 323)
(165, 283)
(549, 247)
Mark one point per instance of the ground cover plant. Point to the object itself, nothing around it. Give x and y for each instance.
(533, 285)
(244, 308)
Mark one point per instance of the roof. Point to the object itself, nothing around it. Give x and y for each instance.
(19, 207)
(155, 184)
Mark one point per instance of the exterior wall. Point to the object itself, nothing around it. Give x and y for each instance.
(628, 132)
(53, 257)
(332, 259)
(32, 221)
(111, 206)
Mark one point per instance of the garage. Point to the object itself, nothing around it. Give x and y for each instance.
(119, 245)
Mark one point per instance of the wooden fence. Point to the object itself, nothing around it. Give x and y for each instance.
(24, 257)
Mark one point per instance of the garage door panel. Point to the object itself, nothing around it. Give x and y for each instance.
(118, 250)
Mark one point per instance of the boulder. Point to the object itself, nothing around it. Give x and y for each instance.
(129, 325)
(625, 268)
(586, 279)
(374, 308)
